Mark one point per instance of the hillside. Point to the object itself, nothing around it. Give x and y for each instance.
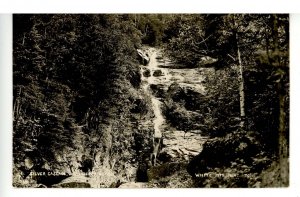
(150, 100)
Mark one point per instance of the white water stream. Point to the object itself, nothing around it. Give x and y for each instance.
(156, 104)
(176, 144)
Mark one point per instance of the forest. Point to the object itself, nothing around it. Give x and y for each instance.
(151, 100)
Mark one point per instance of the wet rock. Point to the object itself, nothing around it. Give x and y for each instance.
(158, 90)
(147, 73)
(164, 157)
(182, 91)
(143, 57)
(159, 57)
(186, 95)
(207, 61)
(158, 73)
(176, 92)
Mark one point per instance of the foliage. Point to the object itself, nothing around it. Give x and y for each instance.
(263, 55)
(69, 71)
(263, 44)
(151, 27)
(185, 41)
(77, 80)
(235, 160)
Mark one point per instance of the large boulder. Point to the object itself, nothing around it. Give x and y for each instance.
(146, 73)
(158, 73)
(181, 146)
(185, 95)
(207, 61)
(143, 57)
(193, 99)
(176, 92)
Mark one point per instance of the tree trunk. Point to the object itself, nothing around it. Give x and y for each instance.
(283, 146)
(241, 91)
(241, 79)
(282, 137)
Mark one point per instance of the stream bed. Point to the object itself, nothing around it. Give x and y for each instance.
(176, 144)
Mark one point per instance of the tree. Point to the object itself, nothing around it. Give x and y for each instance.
(240, 76)
(281, 74)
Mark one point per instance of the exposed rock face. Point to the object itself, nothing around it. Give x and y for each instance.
(143, 57)
(181, 146)
(176, 92)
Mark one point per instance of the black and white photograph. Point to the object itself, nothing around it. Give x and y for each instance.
(151, 100)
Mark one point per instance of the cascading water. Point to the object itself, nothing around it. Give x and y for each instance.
(160, 76)
(159, 119)
(156, 103)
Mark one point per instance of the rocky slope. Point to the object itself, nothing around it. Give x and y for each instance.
(158, 77)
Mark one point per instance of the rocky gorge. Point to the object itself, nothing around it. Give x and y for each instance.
(167, 145)
(150, 100)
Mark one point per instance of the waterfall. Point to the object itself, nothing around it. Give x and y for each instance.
(154, 80)
(158, 120)
(157, 77)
